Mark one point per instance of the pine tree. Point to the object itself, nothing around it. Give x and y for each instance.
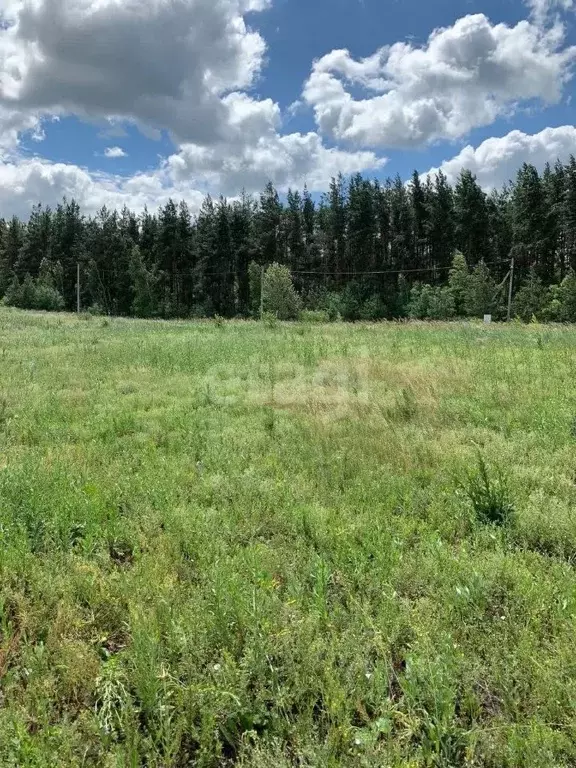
(440, 223)
(13, 241)
(244, 247)
(401, 252)
(529, 223)
(168, 258)
(224, 268)
(420, 225)
(68, 245)
(334, 231)
(313, 285)
(568, 214)
(294, 219)
(268, 227)
(36, 242)
(471, 231)
(205, 259)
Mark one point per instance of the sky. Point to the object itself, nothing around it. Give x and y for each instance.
(132, 102)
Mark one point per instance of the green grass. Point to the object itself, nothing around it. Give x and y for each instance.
(234, 544)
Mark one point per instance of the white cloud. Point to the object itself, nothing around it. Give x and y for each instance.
(161, 63)
(465, 76)
(293, 159)
(542, 10)
(26, 181)
(12, 124)
(496, 160)
(180, 65)
(256, 153)
(114, 152)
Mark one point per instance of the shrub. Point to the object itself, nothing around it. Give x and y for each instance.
(314, 316)
(333, 306)
(372, 309)
(34, 294)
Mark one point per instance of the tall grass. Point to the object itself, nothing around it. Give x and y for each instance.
(230, 543)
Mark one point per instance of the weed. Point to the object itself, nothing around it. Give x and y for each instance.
(489, 496)
(270, 320)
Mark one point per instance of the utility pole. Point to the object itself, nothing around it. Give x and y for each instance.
(510, 286)
(261, 293)
(78, 287)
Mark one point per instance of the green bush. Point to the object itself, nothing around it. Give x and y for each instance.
(431, 303)
(47, 298)
(333, 306)
(314, 316)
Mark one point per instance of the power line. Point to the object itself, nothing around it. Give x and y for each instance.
(390, 271)
(310, 272)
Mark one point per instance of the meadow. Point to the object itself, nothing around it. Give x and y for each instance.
(259, 544)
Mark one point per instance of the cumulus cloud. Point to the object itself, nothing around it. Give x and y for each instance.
(293, 159)
(160, 63)
(496, 160)
(465, 76)
(114, 152)
(27, 181)
(180, 65)
(257, 153)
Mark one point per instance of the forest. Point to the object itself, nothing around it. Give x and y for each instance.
(365, 250)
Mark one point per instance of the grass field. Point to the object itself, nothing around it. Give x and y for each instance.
(236, 544)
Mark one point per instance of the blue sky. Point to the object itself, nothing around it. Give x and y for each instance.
(136, 101)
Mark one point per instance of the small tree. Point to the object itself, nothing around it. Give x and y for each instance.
(431, 303)
(28, 293)
(418, 303)
(568, 288)
(441, 305)
(279, 295)
(459, 282)
(13, 295)
(530, 299)
(479, 296)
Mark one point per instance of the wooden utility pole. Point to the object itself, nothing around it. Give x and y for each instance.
(78, 287)
(510, 286)
(261, 293)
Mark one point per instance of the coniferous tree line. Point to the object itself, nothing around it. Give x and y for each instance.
(365, 250)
